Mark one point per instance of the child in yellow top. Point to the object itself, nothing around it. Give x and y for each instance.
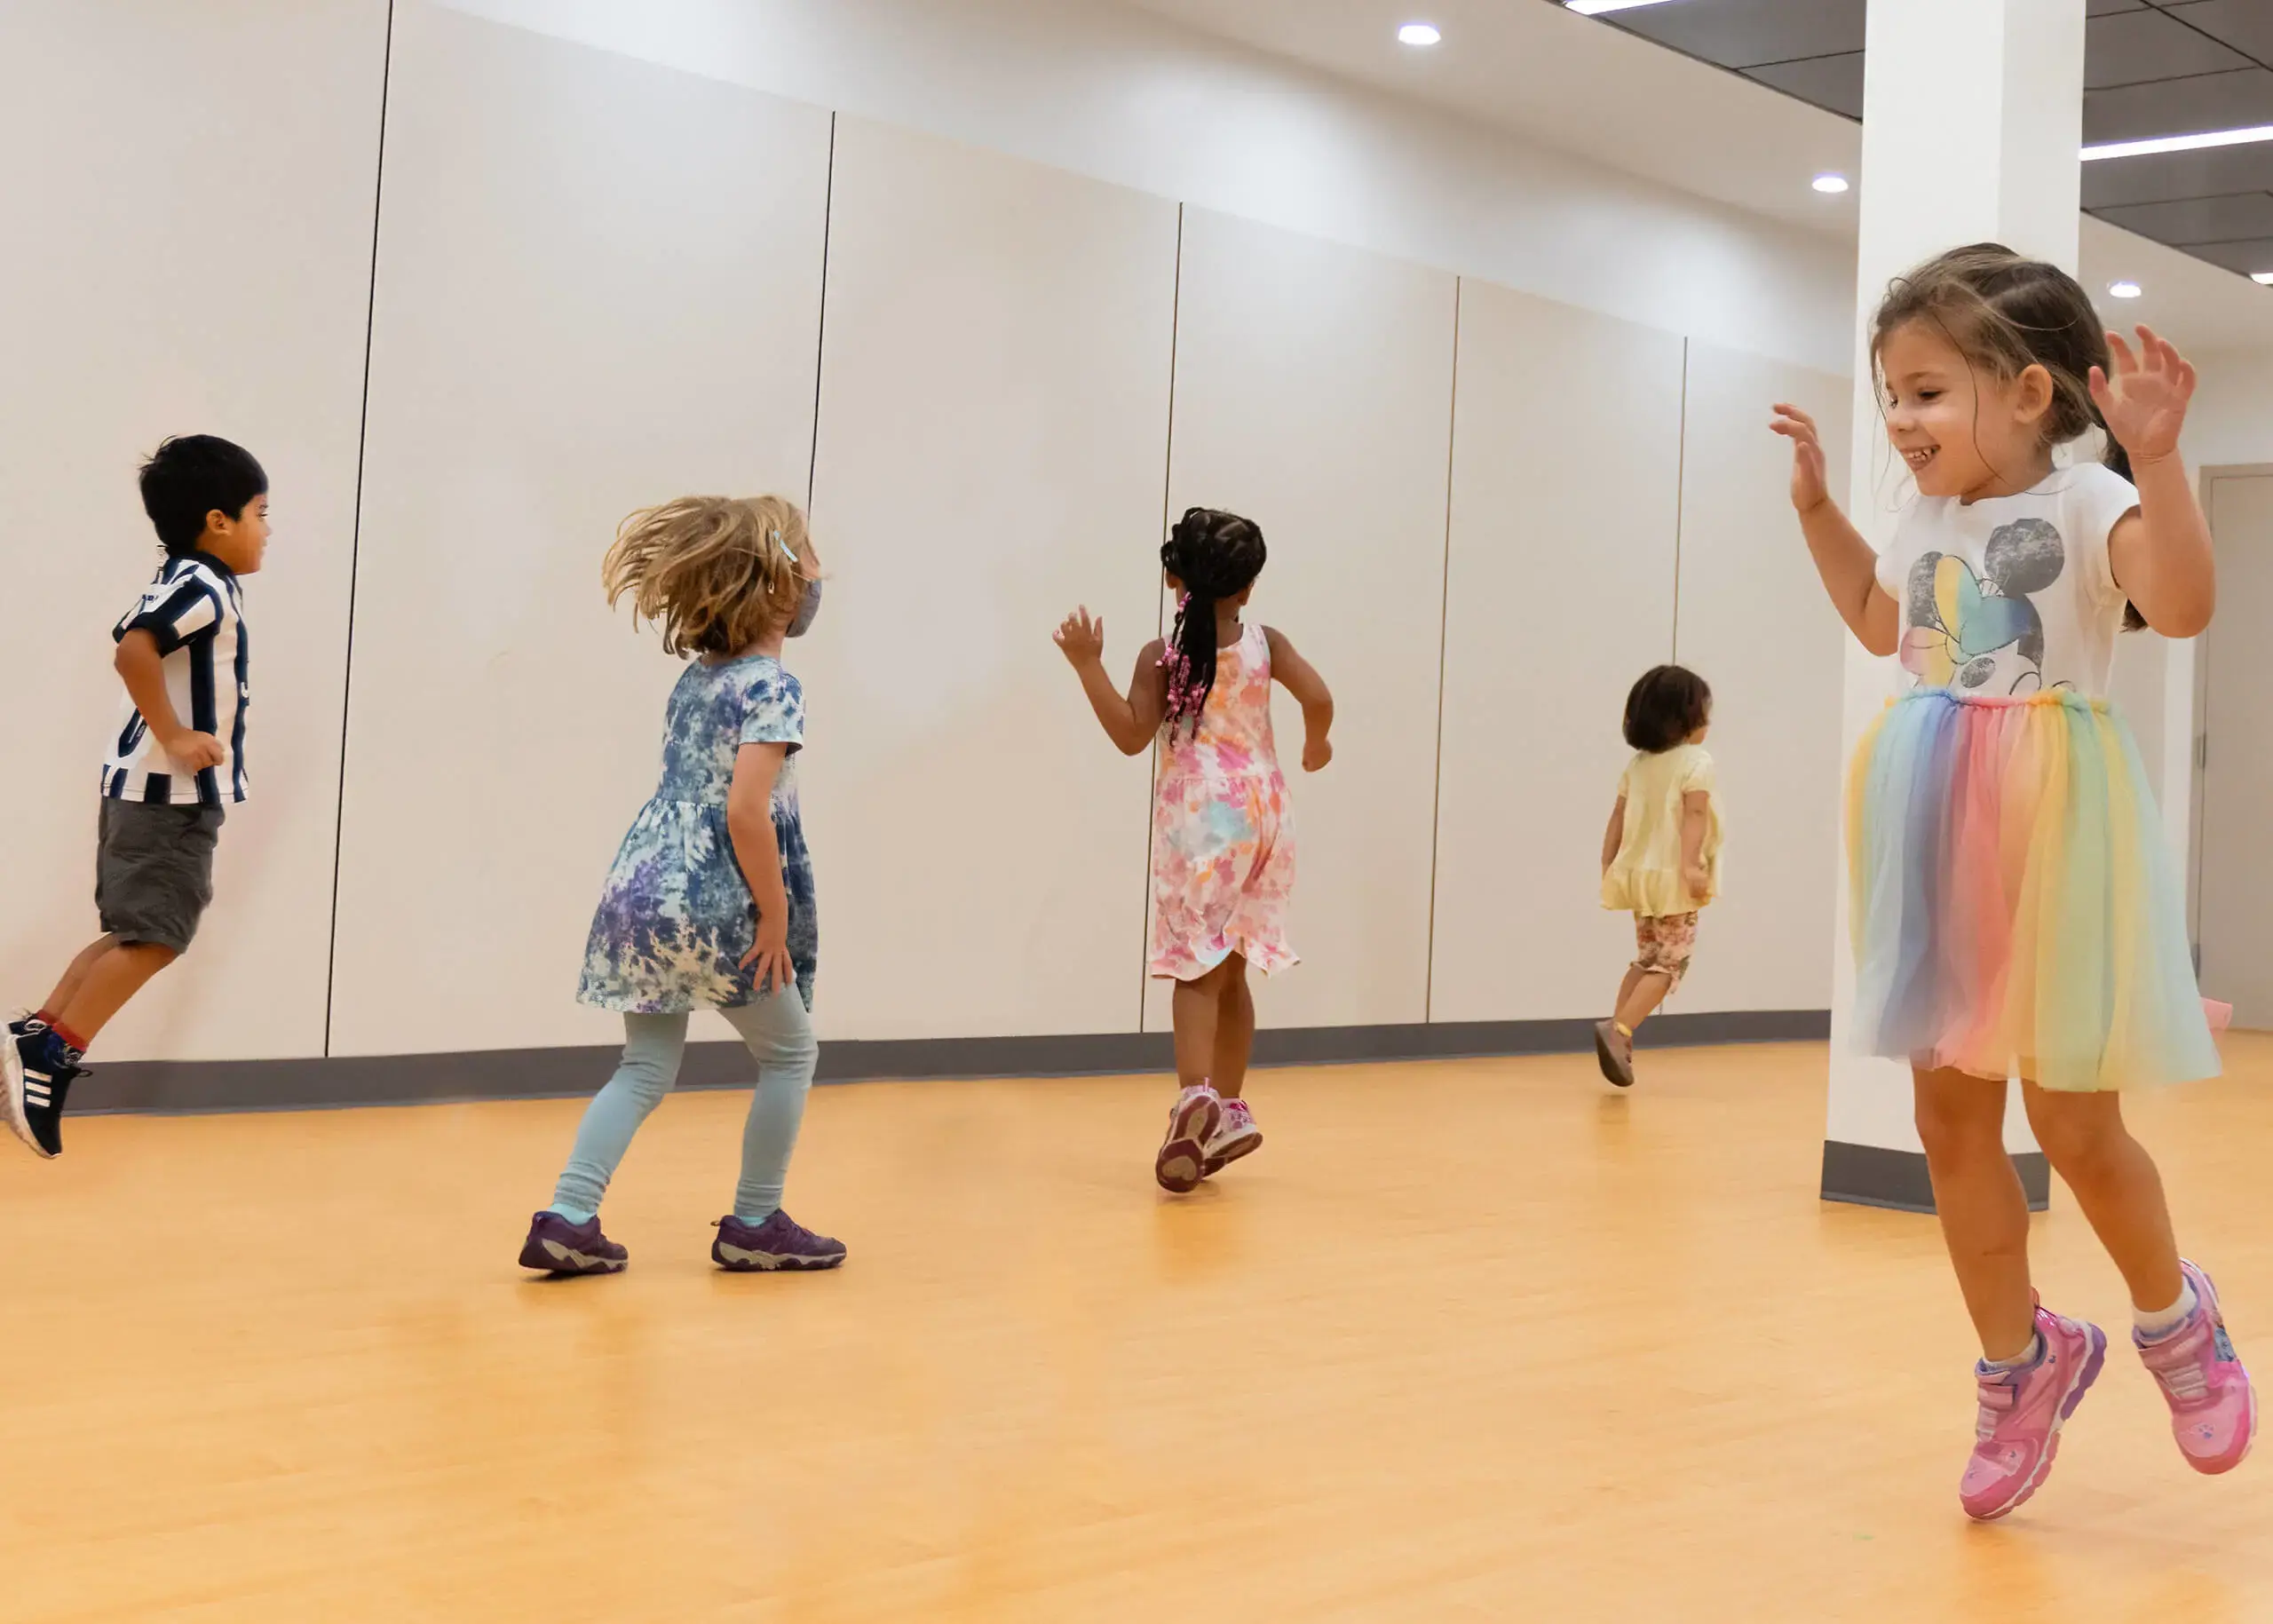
(1661, 853)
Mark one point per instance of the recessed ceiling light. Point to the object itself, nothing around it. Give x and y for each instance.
(2124, 289)
(2263, 278)
(1596, 8)
(2179, 143)
(1419, 34)
(1830, 183)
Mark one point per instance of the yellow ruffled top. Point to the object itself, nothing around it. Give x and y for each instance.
(1645, 878)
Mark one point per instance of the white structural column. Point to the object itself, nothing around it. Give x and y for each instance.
(1972, 132)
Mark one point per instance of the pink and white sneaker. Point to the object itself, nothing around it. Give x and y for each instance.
(2213, 1407)
(1236, 1136)
(1193, 1121)
(2022, 1413)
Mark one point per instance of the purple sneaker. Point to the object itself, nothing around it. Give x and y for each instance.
(557, 1246)
(2213, 1407)
(2021, 1412)
(781, 1242)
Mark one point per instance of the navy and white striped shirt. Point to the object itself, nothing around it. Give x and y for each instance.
(195, 612)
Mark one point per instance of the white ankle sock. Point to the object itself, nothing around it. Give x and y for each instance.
(2026, 1357)
(2153, 1325)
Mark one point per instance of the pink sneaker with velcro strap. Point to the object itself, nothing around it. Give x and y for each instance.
(2017, 1432)
(2213, 1407)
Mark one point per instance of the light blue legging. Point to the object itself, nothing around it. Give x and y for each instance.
(779, 1035)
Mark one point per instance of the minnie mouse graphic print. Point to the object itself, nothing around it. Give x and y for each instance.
(2011, 595)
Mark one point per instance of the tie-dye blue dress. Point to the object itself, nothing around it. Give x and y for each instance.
(677, 918)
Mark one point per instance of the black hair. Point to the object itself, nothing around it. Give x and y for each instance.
(1215, 554)
(2003, 312)
(1665, 707)
(192, 475)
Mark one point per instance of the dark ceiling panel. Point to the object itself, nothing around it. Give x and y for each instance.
(2177, 106)
(2114, 182)
(2153, 68)
(1747, 33)
(2245, 25)
(1828, 81)
(2136, 46)
(2247, 258)
(2195, 220)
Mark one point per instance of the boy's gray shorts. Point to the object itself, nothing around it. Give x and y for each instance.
(154, 870)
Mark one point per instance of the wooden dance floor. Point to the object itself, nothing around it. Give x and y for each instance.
(1470, 1340)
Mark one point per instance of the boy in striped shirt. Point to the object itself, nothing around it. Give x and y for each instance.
(176, 764)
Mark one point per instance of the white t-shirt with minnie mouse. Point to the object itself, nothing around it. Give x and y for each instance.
(2011, 596)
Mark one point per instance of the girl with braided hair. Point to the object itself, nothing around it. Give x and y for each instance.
(1222, 844)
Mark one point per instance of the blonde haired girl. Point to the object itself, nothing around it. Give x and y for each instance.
(710, 901)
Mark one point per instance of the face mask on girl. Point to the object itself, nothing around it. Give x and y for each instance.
(802, 622)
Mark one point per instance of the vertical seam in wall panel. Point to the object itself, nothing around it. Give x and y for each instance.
(355, 536)
(1444, 635)
(1159, 606)
(1679, 499)
(821, 336)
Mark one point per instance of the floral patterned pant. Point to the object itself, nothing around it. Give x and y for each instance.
(1667, 942)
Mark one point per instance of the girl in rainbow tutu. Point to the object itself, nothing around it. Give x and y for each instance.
(2016, 911)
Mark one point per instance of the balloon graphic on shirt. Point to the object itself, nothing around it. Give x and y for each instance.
(1964, 634)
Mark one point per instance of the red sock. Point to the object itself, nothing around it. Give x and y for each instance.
(70, 1038)
(46, 1017)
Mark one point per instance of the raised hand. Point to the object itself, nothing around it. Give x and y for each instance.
(1082, 639)
(1811, 487)
(2145, 403)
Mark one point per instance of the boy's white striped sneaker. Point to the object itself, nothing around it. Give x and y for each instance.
(37, 1071)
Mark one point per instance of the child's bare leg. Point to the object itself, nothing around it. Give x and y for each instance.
(115, 976)
(1198, 1005)
(1234, 1028)
(1984, 1211)
(76, 976)
(1638, 999)
(2115, 1185)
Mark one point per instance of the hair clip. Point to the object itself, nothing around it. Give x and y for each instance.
(786, 550)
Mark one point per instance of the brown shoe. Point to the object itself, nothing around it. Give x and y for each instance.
(1615, 1050)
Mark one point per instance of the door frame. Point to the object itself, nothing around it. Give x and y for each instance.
(2196, 680)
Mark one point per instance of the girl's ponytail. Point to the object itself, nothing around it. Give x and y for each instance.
(1215, 554)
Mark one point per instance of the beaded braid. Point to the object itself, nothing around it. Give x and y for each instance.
(1217, 555)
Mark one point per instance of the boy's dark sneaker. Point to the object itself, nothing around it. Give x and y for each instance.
(781, 1242)
(557, 1246)
(36, 1071)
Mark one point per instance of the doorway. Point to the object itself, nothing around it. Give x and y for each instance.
(2233, 870)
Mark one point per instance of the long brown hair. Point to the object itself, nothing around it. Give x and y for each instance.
(2005, 313)
(716, 573)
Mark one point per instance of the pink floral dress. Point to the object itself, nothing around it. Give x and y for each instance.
(1222, 839)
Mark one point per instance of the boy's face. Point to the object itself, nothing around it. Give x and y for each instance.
(239, 542)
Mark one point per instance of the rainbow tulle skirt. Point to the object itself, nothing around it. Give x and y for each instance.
(2015, 909)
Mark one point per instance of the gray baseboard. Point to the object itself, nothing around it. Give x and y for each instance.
(538, 1073)
(1871, 1176)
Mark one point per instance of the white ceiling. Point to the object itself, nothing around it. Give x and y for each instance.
(1566, 81)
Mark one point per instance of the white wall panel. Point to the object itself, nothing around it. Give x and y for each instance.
(1313, 393)
(189, 201)
(598, 288)
(1754, 621)
(992, 450)
(1565, 485)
